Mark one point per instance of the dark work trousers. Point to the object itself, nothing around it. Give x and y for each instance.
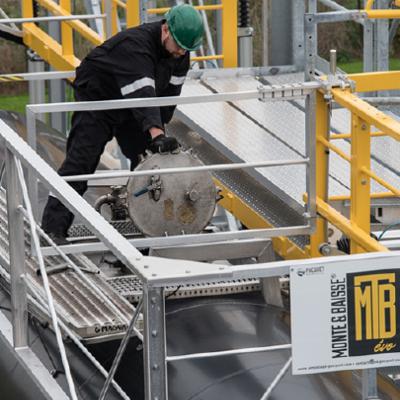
(89, 134)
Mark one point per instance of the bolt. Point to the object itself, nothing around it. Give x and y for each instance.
(363, 126)
(193, 195)
(155, 367)
(363, 182)
(154, 333)
(221, 268)
(187, 271)
(153, 300)
(325, 249)
(145, 266)
(138, 258)
(153, 274)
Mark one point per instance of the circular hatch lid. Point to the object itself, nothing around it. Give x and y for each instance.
(171, 204)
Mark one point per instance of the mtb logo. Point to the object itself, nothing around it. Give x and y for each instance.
(373, 311)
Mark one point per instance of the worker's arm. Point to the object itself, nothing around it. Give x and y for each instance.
(135, 76)
(174, 87)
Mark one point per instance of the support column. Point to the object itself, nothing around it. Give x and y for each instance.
(154, 344)
(310, 46)
(36, 88)
(369, 384)
(382, 39)
(360, 208)
(278, 32)
(19, 305)
(58, 121)
(230, 33)
(311, 154)
(132, 13)
(322, 132)
(368, 46)
(298, 11)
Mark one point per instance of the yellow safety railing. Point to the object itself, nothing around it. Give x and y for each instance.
(363, 117)
(381, 13)
(61, 55)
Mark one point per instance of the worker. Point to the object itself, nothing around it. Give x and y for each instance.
(150, 60)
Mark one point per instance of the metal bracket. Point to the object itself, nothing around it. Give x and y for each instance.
(289, 91)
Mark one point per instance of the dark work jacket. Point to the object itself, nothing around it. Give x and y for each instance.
(133, 64)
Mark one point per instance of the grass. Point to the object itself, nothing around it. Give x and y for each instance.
(353, 67)
(14, 103)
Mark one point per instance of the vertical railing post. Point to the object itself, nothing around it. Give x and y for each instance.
(132, 13)
(230, 33)
(311, 155)
(16, 241)
(27, 8)
(322, 131)
(67, 37)
(154, 344)
(107, 7)
(114, 18)
(360, 181)
(32, 179)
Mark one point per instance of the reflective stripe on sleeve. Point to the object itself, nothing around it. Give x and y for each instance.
(136, 85)
(177, 80)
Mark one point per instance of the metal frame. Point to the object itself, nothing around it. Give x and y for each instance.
(264, 93)
(157, 273)
(149, 267)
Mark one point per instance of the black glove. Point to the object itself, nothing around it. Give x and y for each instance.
(163, 144)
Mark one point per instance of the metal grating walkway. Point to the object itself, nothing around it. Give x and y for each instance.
(250, 130)
(77, 304)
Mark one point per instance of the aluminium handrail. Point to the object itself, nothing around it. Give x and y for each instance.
(202, 168)
(114, 241)
(244, 350)
(46, 284)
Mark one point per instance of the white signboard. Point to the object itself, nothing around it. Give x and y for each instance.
(345, 313)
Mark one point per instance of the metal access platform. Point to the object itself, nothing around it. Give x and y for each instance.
(252, 130)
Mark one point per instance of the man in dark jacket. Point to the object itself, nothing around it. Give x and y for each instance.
(151, 60)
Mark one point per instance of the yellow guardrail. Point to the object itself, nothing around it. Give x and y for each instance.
(61, 55)
(363, 117)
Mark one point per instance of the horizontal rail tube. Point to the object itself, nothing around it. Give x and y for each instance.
(139, 103)
(383, 14)
(307, 87)
(348, 135)
(383, 195)
(382, 100)
(249, 350)
(163, 10)
(39, 76)
(338, 16)
(50, 19)
(205, 58)
(187, 239)
(165, 171)
(335, 149)
(193, 74)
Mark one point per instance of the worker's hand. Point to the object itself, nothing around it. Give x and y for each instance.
(163, 144)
